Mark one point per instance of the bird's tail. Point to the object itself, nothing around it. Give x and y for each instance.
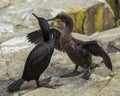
(15, 85)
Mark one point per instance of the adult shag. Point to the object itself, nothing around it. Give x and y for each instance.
(38, 59)
(80, 52)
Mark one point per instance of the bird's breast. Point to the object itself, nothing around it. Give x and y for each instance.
(65, 41)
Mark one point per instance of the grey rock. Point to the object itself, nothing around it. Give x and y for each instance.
(16, 21)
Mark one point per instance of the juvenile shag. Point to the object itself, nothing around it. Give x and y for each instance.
(79, 52)
(38, 59)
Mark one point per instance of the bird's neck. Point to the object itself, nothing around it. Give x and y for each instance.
(46, 35)
(69, 26)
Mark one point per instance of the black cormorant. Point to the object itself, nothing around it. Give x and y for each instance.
(38, 59)
(80, 52)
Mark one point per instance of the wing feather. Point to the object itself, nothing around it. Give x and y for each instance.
(36, 36)
(56, 35)
(97, 50)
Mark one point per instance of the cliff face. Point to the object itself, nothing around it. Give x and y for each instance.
(16, 21)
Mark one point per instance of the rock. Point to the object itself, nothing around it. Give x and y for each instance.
(107, 37)
(16, 21)
(88, 17)
(115, 5)
(4, 4)
(13, 54)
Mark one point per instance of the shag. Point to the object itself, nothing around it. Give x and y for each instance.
(38, 59)
(80, 52)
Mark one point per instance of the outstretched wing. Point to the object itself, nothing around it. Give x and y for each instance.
(36, 36)
(56, 35)
(94, 48)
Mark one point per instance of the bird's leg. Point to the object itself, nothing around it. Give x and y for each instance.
(37, 83)
(87, 74)
(75, 70)
(74, 73)
(46, 85)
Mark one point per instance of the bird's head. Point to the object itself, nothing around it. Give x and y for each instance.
(42, 21)
(62, 16)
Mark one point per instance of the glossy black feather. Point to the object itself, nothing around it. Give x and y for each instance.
(40, 56)
(36, 36)
(79, 51)
(38, 60)
(15, 85)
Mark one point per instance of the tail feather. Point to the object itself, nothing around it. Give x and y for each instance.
(15, 85)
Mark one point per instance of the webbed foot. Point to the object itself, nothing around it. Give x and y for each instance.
(44, 83)
(94, 66)
(71, 74)
(47, 86)
(86, 75)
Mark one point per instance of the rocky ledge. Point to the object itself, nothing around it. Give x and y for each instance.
(16, 21)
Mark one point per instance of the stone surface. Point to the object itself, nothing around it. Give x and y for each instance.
(10, 56)
(13, 55)
(115, 5)
(88, 17)
(16, 21)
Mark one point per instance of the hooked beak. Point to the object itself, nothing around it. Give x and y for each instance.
(56, 19)
(35, 16)
(51, 19)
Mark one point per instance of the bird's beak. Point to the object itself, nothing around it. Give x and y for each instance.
(36, 16)
(51, 19)
(55, 19)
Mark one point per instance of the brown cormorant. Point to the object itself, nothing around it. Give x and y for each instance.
(80, 52)
(38, 59)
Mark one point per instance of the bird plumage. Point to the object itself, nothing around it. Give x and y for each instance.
(79, 52)
(38, 59)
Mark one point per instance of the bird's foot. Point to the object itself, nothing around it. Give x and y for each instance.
(94, 66)
(47, 86)
(86, 75)
(71, 74)
(44, 83)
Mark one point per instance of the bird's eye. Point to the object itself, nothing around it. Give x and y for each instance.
(59, 17)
